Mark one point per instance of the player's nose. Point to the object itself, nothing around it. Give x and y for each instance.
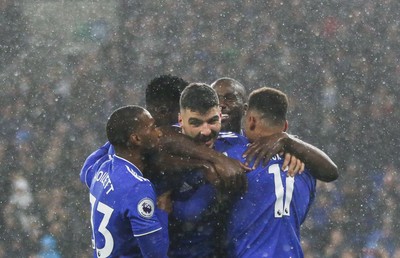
(206, 129)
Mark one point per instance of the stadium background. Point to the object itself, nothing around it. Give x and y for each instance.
(65, 65)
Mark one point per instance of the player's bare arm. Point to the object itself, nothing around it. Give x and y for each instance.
(320, 165)
(265, 147)
(230, 171)
(172, 167)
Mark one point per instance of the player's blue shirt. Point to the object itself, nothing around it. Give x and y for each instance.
(193, 222)
(100, 156)
(265, 221)
(123, 207)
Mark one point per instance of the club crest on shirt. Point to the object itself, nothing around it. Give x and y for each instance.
(146, 208)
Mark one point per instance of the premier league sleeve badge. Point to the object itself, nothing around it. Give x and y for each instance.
(146, 208)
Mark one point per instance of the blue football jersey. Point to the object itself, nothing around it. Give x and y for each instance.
(123, 205)
(89, 168)
(265, 221)
(193, 222)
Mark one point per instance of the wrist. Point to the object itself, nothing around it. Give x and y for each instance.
(216, 157)
(284, 140)
(288, 142)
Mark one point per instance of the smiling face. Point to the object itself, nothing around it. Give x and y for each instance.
(231, 97)
(203, 128)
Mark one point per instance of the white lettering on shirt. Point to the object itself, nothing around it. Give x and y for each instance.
(104, 179)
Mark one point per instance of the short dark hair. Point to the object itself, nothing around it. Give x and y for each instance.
(199, 97)
(122, 122)
(271, 103)
(165, 88)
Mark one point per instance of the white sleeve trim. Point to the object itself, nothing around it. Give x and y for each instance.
(138, 235)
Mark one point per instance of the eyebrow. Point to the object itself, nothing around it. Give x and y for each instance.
(194, 119)
(216, 117)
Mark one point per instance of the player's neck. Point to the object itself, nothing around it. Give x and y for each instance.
(233, 128)
(134, 157)
(267, 133)
(262, 132)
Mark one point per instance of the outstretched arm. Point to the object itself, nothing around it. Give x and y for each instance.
(171, 168)
(319, 164)
(230, 171)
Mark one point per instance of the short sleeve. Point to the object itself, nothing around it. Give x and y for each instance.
(140, 208)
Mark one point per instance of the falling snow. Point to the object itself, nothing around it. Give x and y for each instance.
(65, 65)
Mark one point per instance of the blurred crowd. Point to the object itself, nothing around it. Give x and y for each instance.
(337, 60)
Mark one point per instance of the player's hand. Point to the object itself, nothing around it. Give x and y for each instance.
(264, 148)
(293, 165)
(232, 174)
(164, 202)
(210, 174)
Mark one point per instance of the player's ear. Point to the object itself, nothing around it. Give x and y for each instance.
(245, 107)
(134, 140)
(252, 122)
(180, 119)
(286, 126)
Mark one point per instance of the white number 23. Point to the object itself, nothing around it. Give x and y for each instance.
(108, 238)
